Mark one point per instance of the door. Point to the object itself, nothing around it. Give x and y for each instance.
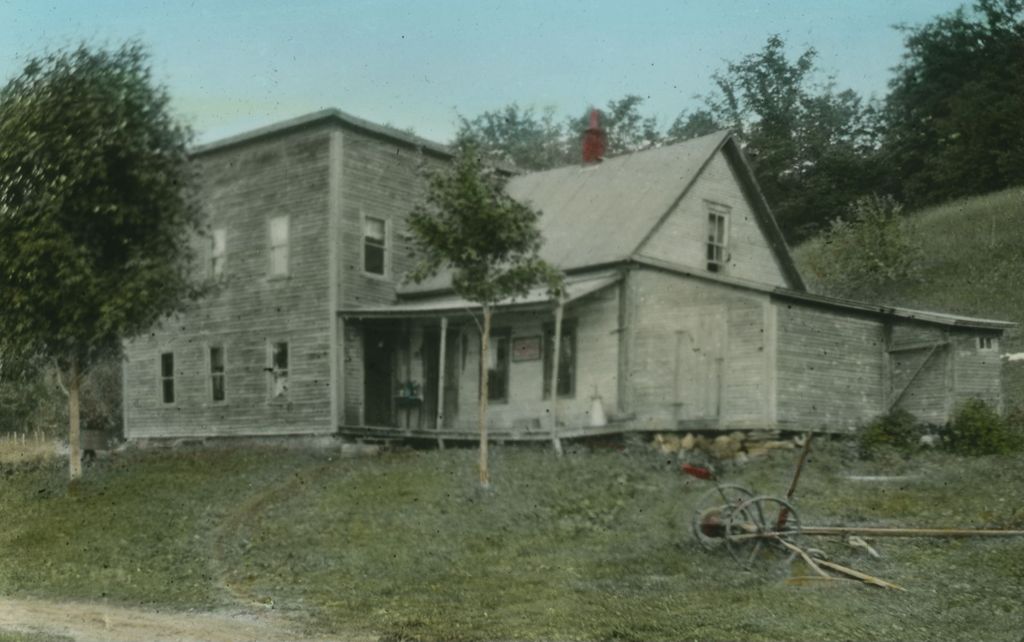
(431, 367)
(700, 364)
(379, 377)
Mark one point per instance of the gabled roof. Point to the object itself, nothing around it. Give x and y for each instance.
(603, 213)
(322, 117)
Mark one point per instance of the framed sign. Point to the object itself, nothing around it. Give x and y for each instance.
(526, 348)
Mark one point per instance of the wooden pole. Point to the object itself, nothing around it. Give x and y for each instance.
(555, 357)
(784, 513)
(908, 532)
(440, 381)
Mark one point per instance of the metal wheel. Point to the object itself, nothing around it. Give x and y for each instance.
(755, 529)
(712, 511)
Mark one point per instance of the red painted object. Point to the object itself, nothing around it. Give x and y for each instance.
(697, 471)
(593, 140)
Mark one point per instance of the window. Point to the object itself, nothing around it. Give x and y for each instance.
(217, 373)
(717, 224)
(278, 369)
(167, 376)
(374, 245)
(986, 343)
(279, 246)
(497, 367)
(218, 250)
(566, 361)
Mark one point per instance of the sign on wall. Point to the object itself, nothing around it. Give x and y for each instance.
(526, 348)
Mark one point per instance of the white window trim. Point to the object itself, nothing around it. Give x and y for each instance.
(287, 246)
(214, 255)
(161, 378)
(270, 370)
(387, 246)
(209, 373)
(712, 208)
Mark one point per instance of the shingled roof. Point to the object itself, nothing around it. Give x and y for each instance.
(602, 213)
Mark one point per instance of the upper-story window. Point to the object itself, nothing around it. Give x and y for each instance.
(279, 246)
(718, 228)
(987, 343)
(218, 251)
(374, 245)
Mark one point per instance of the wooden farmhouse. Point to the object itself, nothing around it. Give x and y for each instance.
(684, 309)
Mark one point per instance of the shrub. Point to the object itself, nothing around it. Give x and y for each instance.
(977, 429)
(898, 430)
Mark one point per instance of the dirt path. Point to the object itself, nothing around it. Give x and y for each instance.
(90, 622)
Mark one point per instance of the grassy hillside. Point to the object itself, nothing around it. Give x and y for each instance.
(973, 265)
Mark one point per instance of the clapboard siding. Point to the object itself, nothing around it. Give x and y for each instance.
(670, 313)
(242, 188)
(682, 237)
(977, 371)
(829, 368)
(383, 180)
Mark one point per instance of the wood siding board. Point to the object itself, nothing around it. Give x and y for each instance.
(681, 237)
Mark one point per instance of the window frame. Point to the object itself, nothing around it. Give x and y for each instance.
(496, 335)
(384, 246)
(716, 249)
(286, 247)
(213, 375)
(274, 373)
(166, 378)
(216, 269)
(568, 327)
(987, 344)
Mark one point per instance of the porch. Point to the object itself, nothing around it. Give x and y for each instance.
(412, 369)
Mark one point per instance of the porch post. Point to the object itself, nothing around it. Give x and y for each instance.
(440, 382)
(557, 353)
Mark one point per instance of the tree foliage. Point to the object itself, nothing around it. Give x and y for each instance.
(490, 243)
(96, 212)
(953, 113)
(873, 246)
(808, 142)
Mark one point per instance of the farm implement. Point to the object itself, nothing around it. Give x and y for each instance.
(754, 527)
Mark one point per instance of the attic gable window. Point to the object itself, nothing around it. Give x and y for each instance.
(374, 245)
(218, 251)
(987, 344)
(718, 225)
(279, 233)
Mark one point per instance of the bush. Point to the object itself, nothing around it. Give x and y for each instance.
(898, 430)
(977, 429)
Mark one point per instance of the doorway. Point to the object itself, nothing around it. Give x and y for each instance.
(379, 377)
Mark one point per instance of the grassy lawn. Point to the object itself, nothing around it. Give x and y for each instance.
(594, 545)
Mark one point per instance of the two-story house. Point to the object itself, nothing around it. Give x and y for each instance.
(684, 309)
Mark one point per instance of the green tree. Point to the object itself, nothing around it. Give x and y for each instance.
(952, 116)
(809, 143)
(96, 211)
(874, 246)
(489, 241)
(516, 136)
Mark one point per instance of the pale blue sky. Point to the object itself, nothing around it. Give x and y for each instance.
(232, 66)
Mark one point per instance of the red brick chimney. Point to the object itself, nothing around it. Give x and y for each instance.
(593, 141)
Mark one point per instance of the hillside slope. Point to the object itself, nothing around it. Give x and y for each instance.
(973, 264)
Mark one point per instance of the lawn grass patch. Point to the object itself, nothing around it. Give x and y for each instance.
(593, 545)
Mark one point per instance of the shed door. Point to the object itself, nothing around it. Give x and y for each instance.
(700, 363)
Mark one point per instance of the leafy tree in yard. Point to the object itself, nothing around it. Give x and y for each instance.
(953, 114)
(516, 136)
(872, 247)
(96, 212)
(489, 241)
(808, 142)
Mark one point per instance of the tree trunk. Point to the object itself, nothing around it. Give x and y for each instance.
(485, 340)
(74, 434)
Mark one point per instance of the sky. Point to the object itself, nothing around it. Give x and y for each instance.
(231, 66)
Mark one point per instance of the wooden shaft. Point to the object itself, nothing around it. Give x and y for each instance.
(555, 357)
(908, 532)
